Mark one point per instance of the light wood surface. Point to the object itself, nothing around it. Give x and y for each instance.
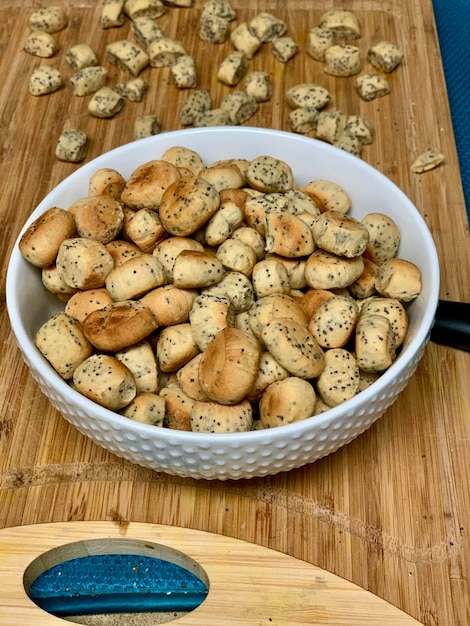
(391, 511)
(247, 584)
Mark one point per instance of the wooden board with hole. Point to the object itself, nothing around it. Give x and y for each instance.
(247, 584)
(390, 512)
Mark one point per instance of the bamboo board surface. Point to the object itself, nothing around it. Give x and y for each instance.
(391, 511)
(248, 584)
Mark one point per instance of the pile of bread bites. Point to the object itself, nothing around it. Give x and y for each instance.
(219, 297)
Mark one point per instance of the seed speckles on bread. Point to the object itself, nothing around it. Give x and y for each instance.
(62, 342)
(227, 294)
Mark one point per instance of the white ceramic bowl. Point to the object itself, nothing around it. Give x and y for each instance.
(258, 453)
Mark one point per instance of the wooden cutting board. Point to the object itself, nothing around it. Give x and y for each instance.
(390, 512)
(247, 584)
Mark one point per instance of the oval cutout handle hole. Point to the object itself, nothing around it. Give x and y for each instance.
(115, 577)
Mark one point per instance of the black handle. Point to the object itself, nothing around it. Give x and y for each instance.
(452, 325)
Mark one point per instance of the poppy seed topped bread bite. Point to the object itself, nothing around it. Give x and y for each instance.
(229, 366)
(145, 186)
(187, 204)
(231, 293)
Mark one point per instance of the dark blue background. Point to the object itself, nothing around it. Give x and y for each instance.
(453, 27)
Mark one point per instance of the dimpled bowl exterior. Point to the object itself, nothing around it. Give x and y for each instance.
(257, 453)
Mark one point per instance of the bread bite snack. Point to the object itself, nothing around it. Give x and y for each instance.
(145, 186)
(343, 22)
(288, 235)
(105, 103)
(269, 174)
(328, 195)
(308, 95)
(371, 86)
(198, 102)
(286, 401)
(324, 270)
(399, 278)
(213, 28)
(119, 325)
(133, 90)
(40, 242)
(135, 277)
(319, 39)
(284, 48)
(83, 263)
(112, 14)
(195, 268)
(233, 68)
(106, 381)
(267, 26)
(170, 304)
(140, 360)
(229, 366)
(385, 56)
(294, 347)
(106, 182)
(184, 72)
(342, 60)
(44, 79)
(339, 380)
(334, 321)
(208, 316)
(164, 52)
(145, 30)
(374, 343)
(146, 126)
(39, 43)
(98, 217)
(62, 342)
(274, 306)
(211, 417)
(236, 315)
(49, 19)
(384, 237)
(244, 40)
(175, 347)
(199, 199)
(139, 8)
(147, 408)
(88, 80)
(340, 234)
(82, 303)
(258, 84)
(81, 55)
(178, 407)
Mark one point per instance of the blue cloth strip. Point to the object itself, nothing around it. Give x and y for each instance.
(453, 26)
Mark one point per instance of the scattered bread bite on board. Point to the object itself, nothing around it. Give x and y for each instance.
(139, 44)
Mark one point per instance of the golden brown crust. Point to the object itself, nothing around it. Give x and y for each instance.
(119, 325)
(145, 186)
(41, 241)
(229, 366)
(286, 401)
(82, 303)
(178, 407)
(187, 204)
(98, 217)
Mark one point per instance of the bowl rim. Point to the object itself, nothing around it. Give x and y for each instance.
(323, 420)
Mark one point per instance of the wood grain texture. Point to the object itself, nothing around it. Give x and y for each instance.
(389, 512)
(246, 584)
